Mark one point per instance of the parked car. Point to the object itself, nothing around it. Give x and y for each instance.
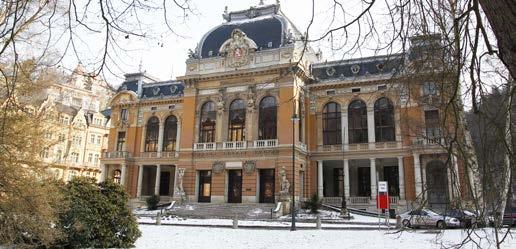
(509, 217)
(427, 218)
(466, 218)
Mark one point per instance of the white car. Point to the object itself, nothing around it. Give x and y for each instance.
(427, 218)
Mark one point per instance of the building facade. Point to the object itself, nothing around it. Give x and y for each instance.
(257, 107)
(77, 125)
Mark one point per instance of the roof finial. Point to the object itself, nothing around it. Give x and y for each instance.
(261, 2)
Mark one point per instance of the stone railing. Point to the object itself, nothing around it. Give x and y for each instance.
(205, 146)
(234, 145)
(337, 201)
(394, 199)
(359, 147)
(155, 154)
(359, 200)
(117, 154)
(148, 154)
(421, 141)
(265, 143)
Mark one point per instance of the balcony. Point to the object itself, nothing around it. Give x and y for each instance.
(266, 143)
(359, 147)
(117, 154)
(422, 141)
(155, 154)
(205, 146)
(234, 145)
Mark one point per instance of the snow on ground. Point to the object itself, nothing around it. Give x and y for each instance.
(201, 237)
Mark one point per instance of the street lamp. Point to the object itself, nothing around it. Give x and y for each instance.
(292, 204)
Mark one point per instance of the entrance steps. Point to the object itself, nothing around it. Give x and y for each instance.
(248, 211)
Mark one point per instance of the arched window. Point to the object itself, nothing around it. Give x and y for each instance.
(208, 122)
(170, 134)
(331, 124)
(151, 134)
(236, 124)
(384, 120)
(267, 118)
(357, 122)
(117, 174)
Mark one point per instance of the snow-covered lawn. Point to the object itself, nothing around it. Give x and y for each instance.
(201, 237)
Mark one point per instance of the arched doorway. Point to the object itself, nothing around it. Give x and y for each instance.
(436, 184)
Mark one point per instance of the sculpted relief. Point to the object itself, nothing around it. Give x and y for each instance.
(237, 49)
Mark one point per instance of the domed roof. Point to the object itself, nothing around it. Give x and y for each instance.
(265, 25)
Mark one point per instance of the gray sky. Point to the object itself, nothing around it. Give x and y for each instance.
(163, 54)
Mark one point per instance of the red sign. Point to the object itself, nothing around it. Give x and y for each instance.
(382, 201)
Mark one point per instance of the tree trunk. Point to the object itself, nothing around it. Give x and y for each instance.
(502, 17)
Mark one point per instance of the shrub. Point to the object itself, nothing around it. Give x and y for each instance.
(152, 202)
(314, 204)
(98, 217)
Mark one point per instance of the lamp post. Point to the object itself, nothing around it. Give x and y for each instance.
(293, 203)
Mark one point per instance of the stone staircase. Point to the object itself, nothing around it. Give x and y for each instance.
(248, 211)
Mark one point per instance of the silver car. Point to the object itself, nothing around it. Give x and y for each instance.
(427, 218)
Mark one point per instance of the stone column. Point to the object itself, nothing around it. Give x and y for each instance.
(346, 178)
(417, 175)
(103, 174)
(320, 185)
(158, 177)
(123, 174)
(160, 137)
(372, 167)
(370, 128)
(140, 179)
(455, 178)
(344, 130)
(401, 175)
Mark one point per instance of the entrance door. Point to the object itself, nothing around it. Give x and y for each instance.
(164, 184)
(364, 181)
(436, 183)
(235, 186)
(204, 186)
(390, 174)
(267, 186)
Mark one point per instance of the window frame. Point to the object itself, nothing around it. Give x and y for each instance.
(332, 124)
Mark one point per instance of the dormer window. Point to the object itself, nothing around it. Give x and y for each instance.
(269, 45)
(210, 53)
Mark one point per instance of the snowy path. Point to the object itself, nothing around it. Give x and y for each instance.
(200, 237)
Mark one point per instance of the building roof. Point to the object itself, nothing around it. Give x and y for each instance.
(362, 67)
(163, 89)
(265, 25)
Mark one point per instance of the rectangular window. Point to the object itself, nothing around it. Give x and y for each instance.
(96, 162)
(90, 157)
(330, 92)
(124, 115)
(92, 138)
(429, 88)
(382, 87)
(120, 141)
(99, 139)
(432, 124)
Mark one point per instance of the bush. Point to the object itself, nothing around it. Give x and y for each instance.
(98, 217)
(314, 204)
(152, 202)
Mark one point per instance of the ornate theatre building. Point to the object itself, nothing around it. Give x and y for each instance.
(256, 104)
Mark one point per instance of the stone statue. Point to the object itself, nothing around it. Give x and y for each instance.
(285, 185)
(250, 100)
(179, 192)
(220, 104)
